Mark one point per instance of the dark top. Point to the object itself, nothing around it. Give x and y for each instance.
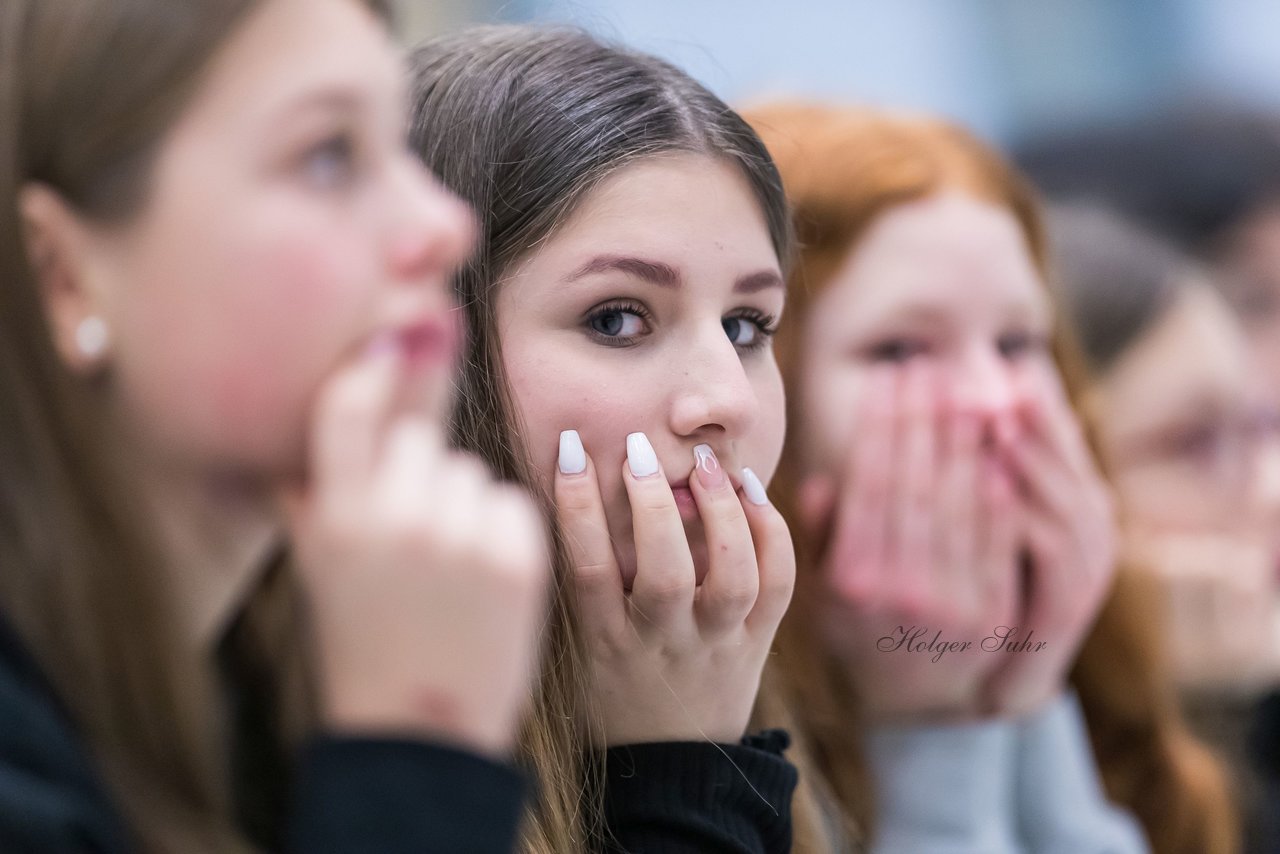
(387, 795)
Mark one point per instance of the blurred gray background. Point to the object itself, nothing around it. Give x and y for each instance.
(1007, 68)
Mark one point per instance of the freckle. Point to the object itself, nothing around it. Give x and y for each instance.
(724, 547)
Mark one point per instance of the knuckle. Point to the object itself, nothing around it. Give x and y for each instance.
(739, 593)
(667, 590)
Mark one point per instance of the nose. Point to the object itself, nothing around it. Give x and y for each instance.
(713, 392)
(434, 231)
(983, 382)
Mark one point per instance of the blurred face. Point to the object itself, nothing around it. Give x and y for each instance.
(1179, 425)
(945, 280)
(651, 311)
(286, 225)
(1251, 279)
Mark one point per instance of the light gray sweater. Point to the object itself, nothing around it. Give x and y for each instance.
(996, 787)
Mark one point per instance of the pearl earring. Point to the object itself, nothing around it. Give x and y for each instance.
(91, 337)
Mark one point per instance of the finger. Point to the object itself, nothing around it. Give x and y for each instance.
(1048, 414)
(1045, 479)
(729, 590)
(510, 509)
(775, 556)
(411, 476)
(1049, 580)
(458, 499)
(664, 584)
(912, 528)
(859, 542)
(597, 580)
(960, 501)
(999, 518)
(349, 420)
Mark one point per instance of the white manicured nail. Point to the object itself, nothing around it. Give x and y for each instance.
(573, 459)
(640, 456)
(754, 489)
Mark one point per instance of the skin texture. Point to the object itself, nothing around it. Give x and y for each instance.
(942, 457)
(281, 339)
(1249, 270)
(1197, 475)
(682, 382)
(680, 590)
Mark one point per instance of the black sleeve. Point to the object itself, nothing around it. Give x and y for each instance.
(51, 801)
(385, 796)
(687, 797)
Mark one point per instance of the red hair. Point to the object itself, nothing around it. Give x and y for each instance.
(843, 168)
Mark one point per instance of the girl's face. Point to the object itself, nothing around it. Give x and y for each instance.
(286, 224)
(651, 311)
(947, 281)
(1250, 274)
(1179, 425)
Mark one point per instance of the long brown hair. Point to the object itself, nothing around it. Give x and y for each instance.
(844, 168)
(523, 122)
(88, 91)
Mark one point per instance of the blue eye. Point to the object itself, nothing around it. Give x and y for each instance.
(331, 164)
(750, 329)
(617, 323)
(741, 333)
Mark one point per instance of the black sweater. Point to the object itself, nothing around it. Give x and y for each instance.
(389, 796)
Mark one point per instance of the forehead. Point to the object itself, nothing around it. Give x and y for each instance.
(286, 50)
(1193, 356)
(949, 253)
(693, 210)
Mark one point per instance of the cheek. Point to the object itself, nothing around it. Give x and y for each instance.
(227, 350)
(556, 391)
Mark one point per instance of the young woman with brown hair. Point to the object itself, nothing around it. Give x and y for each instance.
(956, 584)
(223, 327)
(633, 242)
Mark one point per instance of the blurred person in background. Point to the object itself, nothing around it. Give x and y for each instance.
(250, 599)
(1207, 177)
(1194, 457)
(938, 479)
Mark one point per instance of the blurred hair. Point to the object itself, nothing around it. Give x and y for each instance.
(843, 168)
(1114, 278)
(523, 123)
(1191, 173)
(88, 92)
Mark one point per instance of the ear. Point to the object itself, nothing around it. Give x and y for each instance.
(57, 243)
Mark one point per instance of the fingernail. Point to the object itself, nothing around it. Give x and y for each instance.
(753, 488)
(640, 456)
(573, 458)
(710, 474)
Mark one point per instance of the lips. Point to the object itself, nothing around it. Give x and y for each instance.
(428, 341)
(685, 502)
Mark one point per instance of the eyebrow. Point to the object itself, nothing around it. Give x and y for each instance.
(666, 276)
(336, 98)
